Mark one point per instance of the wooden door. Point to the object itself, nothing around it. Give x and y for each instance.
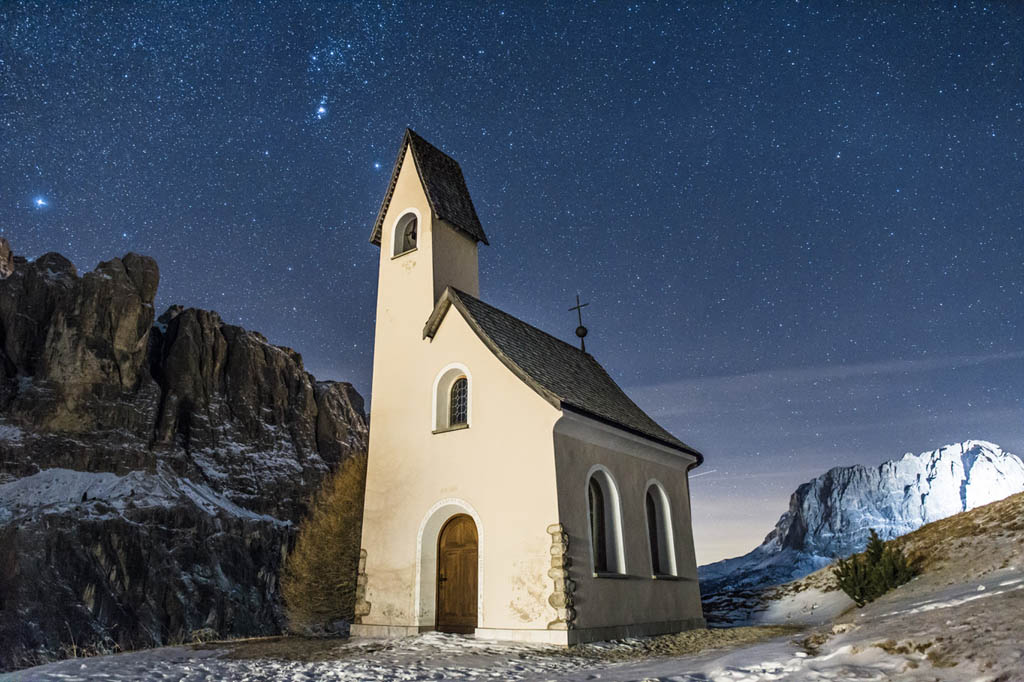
(456, 575)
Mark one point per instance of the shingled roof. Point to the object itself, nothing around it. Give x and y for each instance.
(443, 183)
(562, 374)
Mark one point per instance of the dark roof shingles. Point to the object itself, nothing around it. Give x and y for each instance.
(569, 374)
(444, 184)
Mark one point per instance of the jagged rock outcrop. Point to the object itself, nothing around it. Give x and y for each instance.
(831, 515)
(6, 259)
(150, 475)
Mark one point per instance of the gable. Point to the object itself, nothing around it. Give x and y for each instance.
(568, 378)
(443, 183)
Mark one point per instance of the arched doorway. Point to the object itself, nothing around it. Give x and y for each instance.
(457, 575)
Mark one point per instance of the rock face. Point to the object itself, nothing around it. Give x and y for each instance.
(6, 259)
(830, 516)
(150, 475)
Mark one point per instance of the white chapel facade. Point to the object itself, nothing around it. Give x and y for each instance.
(513, 490)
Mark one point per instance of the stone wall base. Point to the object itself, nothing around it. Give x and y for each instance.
(600, 634)
(555, 637)
(385, 631)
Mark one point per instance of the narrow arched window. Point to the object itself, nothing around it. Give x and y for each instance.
(653, 526)
(659, 532)
(405, 234)
(453, 399)
(605, 523)
(458, 410)
(598, 536)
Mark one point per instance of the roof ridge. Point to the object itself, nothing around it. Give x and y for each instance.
(416, 137)
(575, 380)
(549, 335)
(443, 183)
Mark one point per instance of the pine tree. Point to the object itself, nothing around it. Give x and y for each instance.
(319, 577)
(874, 549)
(853, 578)
(867, 576)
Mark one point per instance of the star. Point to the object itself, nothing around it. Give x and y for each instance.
(736, 220)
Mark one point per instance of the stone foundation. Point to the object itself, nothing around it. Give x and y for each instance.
(362, 607)
(561, 598)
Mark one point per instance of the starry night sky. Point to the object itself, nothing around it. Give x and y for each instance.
(800, 226)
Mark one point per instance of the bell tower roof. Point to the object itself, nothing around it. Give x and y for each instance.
(443, 184)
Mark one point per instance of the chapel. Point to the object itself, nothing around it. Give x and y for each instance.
(513, 490)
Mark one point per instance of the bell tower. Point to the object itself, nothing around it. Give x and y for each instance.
(427, 230)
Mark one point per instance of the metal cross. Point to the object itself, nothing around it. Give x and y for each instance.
(581, 331)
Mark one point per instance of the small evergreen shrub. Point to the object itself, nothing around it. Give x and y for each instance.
(318, 581)
(867, 576)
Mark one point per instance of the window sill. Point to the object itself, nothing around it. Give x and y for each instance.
(460, 427)
(404, 253)
(666, 576)
(613, 576)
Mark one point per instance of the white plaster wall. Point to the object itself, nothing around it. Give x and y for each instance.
(581, 445)
(455, 261)
(500, 470)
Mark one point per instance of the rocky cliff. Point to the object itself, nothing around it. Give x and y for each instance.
(150, 474)
(831, 515)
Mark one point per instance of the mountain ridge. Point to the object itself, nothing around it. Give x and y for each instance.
(830, 515)
(152, 472)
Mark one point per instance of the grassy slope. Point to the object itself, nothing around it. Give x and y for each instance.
(957, 548)
(994, 533)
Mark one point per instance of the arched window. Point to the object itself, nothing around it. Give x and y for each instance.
(597, 526)
(605, 526)
(405, 234)
(458, 404)
(659, 531)
(453, 399)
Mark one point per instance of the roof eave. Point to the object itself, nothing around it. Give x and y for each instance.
(378, 225)
(680, 446)
(450, 297)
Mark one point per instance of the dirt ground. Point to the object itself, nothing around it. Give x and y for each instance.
(307, 649)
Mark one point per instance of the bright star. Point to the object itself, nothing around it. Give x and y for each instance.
(376, 164)
(40, 202)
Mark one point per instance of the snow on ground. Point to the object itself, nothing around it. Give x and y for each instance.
(812, 600)
(813, 606)
(967, 631)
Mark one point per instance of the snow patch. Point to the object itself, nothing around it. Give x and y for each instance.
(10, 434)
(60, 489)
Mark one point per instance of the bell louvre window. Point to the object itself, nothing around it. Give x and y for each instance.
(457, 414)
(405, 234)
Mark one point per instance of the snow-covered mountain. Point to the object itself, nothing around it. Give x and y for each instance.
(831, 515)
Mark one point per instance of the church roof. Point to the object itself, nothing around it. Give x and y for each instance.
(443, 183)
(564, 375)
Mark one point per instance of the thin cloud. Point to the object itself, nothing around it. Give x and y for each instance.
(691, 396)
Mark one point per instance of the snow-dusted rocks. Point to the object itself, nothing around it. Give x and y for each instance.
(830, 516)
(150, 476)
